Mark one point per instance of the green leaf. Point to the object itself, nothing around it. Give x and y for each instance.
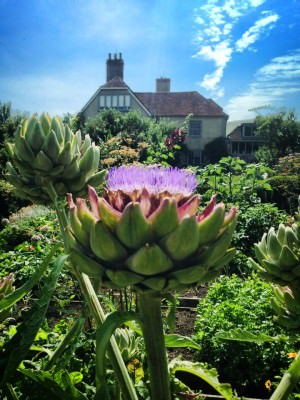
(103, 336)
(244, 336)
(19, 293)
(57, 386)
(174, 340)
(16, 349)
(210, 376)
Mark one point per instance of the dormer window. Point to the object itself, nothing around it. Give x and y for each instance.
(121, 102)
(248, 130)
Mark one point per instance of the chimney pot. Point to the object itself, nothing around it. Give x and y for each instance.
(114, 67)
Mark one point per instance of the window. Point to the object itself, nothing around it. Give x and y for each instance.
(120, 102)
(248, 130)
(195, 128)
(102, 101)
(115, 101)
(127, 101)
(108, 101)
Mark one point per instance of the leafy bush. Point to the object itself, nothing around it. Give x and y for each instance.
(253, 221)
(284, 193)
(9, 202)
(233, 303)
(33, 224)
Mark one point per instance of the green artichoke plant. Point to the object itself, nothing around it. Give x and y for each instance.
(47, 152)
(278, 255)
(145, 231)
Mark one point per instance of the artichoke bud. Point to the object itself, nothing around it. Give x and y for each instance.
(183, 241)
(278, 257)
(149, 260)
(148, 235)
(45, 148)
(104, 244)
(133, 230)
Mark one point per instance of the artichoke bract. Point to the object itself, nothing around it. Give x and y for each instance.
(286, 304)
(145, 231)
(46, 151)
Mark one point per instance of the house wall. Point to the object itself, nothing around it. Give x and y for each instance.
(211, 128)
(93, 108)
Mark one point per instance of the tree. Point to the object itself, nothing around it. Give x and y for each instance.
(281, 132)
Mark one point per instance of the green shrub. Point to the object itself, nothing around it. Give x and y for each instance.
(29, 224)
(233, 303)
(284, 193)
(253, 221)
(9, 202)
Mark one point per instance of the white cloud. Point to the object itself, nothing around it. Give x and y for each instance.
(254, 32)
(215, 36)
(273, 84)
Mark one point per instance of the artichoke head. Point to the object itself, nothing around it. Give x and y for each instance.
(46, 151)
(150, 237)
(278, 255)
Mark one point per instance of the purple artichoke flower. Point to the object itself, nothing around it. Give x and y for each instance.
(145, 231)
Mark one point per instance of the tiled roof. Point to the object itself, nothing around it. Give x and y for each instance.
(115, 82)
(179, 104)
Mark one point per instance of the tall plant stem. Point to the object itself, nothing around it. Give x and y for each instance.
(95, 307)
(288, 381)
(152, 327)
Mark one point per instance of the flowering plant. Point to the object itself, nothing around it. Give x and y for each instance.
(146, 232)
(176, 137)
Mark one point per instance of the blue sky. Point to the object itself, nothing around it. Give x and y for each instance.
(243, 54)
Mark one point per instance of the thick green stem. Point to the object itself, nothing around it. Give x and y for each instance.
(288, 381)
(152, 327)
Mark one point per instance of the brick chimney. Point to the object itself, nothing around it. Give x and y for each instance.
(114, 67)
(163, 85)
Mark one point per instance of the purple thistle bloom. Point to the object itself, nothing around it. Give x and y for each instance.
(153, 178)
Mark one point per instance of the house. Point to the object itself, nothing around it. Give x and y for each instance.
(242, 141)
(208, 119)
